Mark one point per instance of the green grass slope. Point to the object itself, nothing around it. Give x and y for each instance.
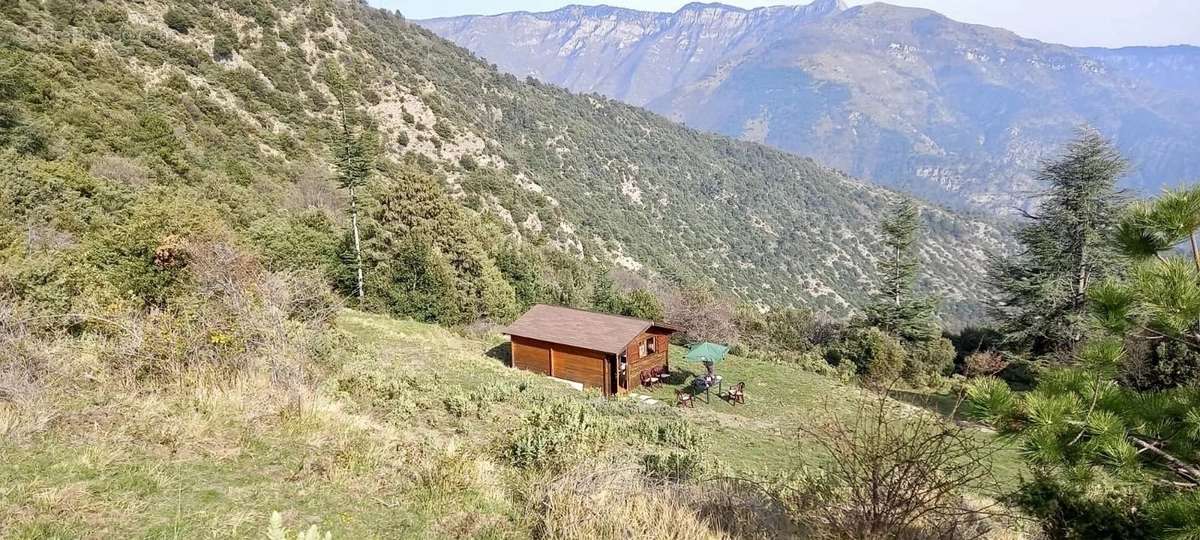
(408, 431)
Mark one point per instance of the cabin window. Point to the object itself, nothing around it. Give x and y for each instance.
(647, 347)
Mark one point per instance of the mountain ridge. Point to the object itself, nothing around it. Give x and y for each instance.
(906, 97)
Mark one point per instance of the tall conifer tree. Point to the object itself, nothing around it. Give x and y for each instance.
(354, 159)
(896, 307)
(1042, 300)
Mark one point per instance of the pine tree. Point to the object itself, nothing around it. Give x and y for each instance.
(1080, 422)
(353, 158)
(523, 267)
(1156, 304)
(1042, 291)
(417, 281)
(404, 201)
(1083, 415)
(896, 307)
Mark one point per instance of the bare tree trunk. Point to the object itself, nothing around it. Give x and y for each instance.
(1179, 467)
(1195, 254)
(357, 244)
(897, 278)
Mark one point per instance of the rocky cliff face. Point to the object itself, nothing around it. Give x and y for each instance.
(905, 97)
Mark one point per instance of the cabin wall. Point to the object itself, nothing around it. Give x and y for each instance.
(563, 361)
(579, 365)
(531, 355)
(638, 363)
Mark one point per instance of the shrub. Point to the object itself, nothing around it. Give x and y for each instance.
(425, 255)
(675, 432)
(897, 476)
(460, 406)
(984, 364)
(417, 282)
(557, 434)
(110, 17)
(22, 136)
(178, 20)
(227, 314)
(392, 386)
(1065, 510)
(225, 43)
(813, 361)
(1021, 374)
(675, 466)
(642, 304)
(443, 131)
(305, 241)
(874, 353)
(1159, 365)
(793, 329)
(928, 361)
(468, 163)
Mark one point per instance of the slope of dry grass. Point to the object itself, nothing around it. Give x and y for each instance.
(405, 430)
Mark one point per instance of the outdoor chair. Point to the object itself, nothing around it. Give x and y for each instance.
(737, 394)
(683, 398)
(649, 380)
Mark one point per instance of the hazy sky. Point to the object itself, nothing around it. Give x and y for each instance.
(1109, 23)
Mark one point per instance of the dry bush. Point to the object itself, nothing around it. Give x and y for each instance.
(984, 364)
(599, 503)
(701, 314)
(123, 170)
(43, 237)
(233, 316)
(898, 476)
(314, 189)
(24, 364)
(739, 508)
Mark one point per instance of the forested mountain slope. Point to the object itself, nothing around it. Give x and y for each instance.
(904, 97)
(230, 99)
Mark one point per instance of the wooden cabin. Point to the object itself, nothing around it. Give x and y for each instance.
(596, 350)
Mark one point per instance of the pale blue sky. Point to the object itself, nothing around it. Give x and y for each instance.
(1109, 23)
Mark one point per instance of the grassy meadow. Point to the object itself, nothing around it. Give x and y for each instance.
(409, 430)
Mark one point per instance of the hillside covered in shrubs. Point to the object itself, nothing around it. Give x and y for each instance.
(232, 107)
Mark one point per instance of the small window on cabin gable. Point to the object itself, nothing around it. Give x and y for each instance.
(642, 352)
(649, 345)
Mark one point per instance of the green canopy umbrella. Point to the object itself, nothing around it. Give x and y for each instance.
(709, 353)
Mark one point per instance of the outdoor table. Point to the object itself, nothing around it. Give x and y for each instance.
(702, 383)
(708, 354)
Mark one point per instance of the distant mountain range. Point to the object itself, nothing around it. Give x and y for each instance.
(906, 97)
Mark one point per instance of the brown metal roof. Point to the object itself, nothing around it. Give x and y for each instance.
(579, 328)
